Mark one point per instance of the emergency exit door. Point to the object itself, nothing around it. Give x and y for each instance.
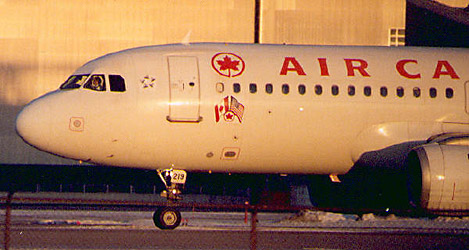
(184, 89)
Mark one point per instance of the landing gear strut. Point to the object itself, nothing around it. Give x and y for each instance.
(174, 180)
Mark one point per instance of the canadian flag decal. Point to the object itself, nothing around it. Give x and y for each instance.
(229, 109)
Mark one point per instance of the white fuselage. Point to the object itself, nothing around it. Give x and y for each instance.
(180, 108)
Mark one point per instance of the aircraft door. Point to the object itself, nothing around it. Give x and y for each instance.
(184, 89)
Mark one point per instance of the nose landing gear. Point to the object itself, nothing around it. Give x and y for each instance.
(174, 180)
(167, 218)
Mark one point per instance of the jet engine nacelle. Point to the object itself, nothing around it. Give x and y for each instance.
(438, 178)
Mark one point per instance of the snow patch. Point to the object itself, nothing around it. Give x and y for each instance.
(81, 222)
(319, 216)
(445, 219)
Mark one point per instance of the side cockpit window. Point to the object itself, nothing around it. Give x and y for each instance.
(117, 83)
(74, 82)
(96, 83)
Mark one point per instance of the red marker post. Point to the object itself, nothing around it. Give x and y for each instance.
(246, 212)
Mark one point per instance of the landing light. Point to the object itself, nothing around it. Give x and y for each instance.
(334, 178)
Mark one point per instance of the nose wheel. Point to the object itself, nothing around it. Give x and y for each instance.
(174, 180)
(167, 218)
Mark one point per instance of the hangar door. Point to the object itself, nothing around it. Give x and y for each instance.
(184, 89)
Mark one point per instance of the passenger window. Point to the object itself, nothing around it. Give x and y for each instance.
(351, 90)
(285, 89)
(335, 90)
(301, 89)
(449, 93)
(96, 83)
(74, 82)
(400, 91)
(220, 87)
(269, 88)
(383, 91)
(318, 89)
(367, 91)
(236, 87)
(116, 83)
(416, 92)
(253, 88)
(433, 92)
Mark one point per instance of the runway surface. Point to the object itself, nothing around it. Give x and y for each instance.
(49, 229)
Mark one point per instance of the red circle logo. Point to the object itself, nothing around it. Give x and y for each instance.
(228, 64)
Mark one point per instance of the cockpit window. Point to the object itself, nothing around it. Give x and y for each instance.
(96, 83)
(74, 82)
(116, 83)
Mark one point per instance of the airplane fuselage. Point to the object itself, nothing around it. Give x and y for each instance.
(254, 108)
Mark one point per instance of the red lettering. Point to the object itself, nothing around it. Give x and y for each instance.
(448, 70)
(403, 72)
(362, 65)
(296, 66)
(323, 66)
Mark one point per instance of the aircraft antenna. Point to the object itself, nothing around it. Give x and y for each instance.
(187, 38)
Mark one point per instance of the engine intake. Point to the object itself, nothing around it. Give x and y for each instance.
(438, 178)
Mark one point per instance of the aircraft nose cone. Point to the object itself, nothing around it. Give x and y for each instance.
(31, 124)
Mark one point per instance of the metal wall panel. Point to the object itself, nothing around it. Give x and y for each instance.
(44, 41)
(332, 22)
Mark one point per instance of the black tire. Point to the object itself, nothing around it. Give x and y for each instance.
(167, 218)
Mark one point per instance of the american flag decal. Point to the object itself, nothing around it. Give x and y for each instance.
(228, 109)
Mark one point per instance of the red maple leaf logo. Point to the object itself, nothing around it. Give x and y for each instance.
(229, 116)
(228, 64)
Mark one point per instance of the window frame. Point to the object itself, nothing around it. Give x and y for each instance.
(220, 87)
(432, 92)
(351, 90)
(400, 92)
(88, 83)
(318, 90)
(335, 91)
(236, 88)
(449, 93)
(269, 88)
(111, 85)
(367, 91)
(301, 89)
(417, 92)
(285, 88)
(252, 88)
(383, 91)
(66, 84)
